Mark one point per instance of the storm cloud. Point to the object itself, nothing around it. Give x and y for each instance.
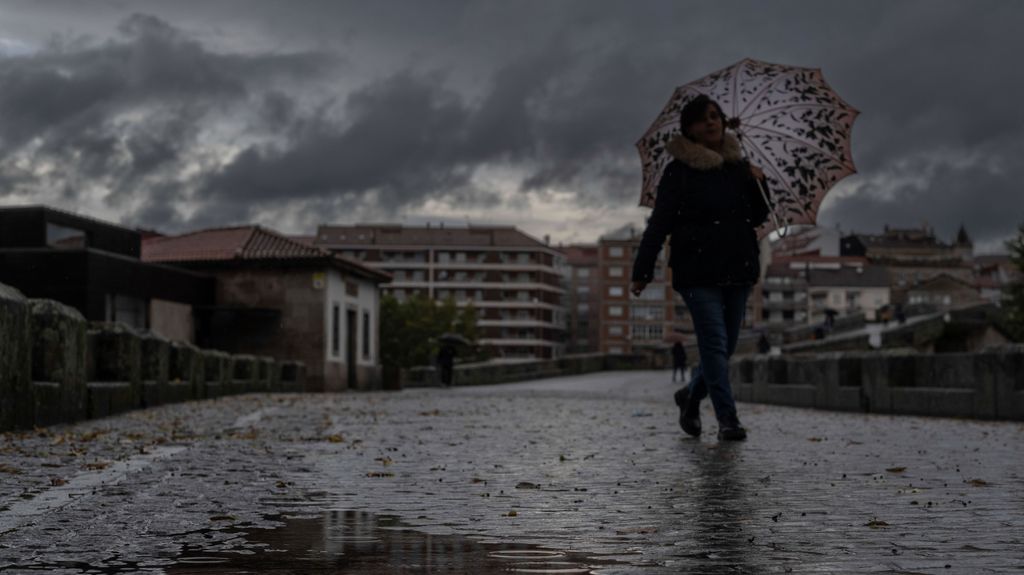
(194, 114)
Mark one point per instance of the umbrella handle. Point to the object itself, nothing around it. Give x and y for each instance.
(783, 231)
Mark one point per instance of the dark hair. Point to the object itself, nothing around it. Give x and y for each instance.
(694, 110)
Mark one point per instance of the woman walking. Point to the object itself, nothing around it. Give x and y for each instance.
(710, 202)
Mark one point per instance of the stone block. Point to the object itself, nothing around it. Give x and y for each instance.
(185, 366)
(58, 356)
(216, 370)
(47, 404)
(940, 401)
(293, 376)
(959, 371)
(155, 368)
(1001, 370)
(269, 374)
(109, 398)
(244, 373)
(177, 392)
(117, 356)
(768, 371)
(883, 371)
(15, 360)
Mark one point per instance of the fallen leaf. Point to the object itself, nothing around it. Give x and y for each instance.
(511, 514)
(222, 518)
(896, 469)
(814, 439)
(876, 524)
(527, 485)
(57, 481)
(9, 469)
(380, 474)
(336, 438)
(978, 482)
(97, 465)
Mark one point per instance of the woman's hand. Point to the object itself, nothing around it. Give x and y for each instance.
(638, 288)
(756, 172)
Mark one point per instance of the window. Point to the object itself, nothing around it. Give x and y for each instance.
(615, 330)
(131, 311)
(583, 307)
(366, 335)
(647, 312)
(583, 272)
(646, 331)
(615, 272)
(615, 291)
(615, 252)
(583, 289)
(335, 330)
(64, 237)
(615, 310)
(615, 350)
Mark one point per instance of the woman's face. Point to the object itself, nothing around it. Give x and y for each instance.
(709, 129)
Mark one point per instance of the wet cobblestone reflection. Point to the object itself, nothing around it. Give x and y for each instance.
(356, 543)
(591, 467)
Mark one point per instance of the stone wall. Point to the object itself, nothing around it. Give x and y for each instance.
(56, 367)
(987, 384)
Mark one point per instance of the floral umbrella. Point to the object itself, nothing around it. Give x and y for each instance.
(792, 125)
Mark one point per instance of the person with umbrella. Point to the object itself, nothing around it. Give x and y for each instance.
(710, 202)
(446, 356)
(704, 193)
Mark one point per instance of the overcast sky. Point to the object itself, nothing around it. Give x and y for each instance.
(182, 114)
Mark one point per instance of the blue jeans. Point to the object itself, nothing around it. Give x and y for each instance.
(717, 316)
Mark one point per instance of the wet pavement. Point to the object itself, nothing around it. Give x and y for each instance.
(570, 475)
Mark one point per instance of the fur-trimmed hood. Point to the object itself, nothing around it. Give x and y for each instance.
(700, 158)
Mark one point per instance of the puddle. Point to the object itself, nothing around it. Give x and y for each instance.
(352, 542)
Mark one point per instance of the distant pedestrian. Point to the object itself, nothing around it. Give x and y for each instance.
(679, 361)
(763, 345)
(709, 200)
(445, 363)
(901, 318)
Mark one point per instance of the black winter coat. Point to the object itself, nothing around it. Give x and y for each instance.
(710, 205)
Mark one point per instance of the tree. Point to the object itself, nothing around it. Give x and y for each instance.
(1015, 291)
(409, 329)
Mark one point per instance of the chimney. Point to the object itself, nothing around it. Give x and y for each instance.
(547, 239)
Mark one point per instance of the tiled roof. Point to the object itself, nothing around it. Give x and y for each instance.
(396, 235)
(241, 243)
(246, 243)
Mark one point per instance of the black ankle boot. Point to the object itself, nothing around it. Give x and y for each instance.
(731, 431)
(689, 412)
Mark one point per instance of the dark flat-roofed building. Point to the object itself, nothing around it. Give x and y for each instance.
(511, 278)
(281, 297)
(94, 267)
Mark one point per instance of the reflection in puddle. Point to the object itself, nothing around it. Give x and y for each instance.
(354, 542)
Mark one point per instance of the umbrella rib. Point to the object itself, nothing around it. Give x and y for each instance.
(789, 189)
(759, 94)
(830, 155)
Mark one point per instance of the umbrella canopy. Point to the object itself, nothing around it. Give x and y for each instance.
(453, 339)
(792, 125)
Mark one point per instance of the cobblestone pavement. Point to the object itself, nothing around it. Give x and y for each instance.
(594, 465)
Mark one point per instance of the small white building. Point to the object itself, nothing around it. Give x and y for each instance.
(280, 297)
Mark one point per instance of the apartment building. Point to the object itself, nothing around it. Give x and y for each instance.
(514, 281)
(629, 324)
(583, 293)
